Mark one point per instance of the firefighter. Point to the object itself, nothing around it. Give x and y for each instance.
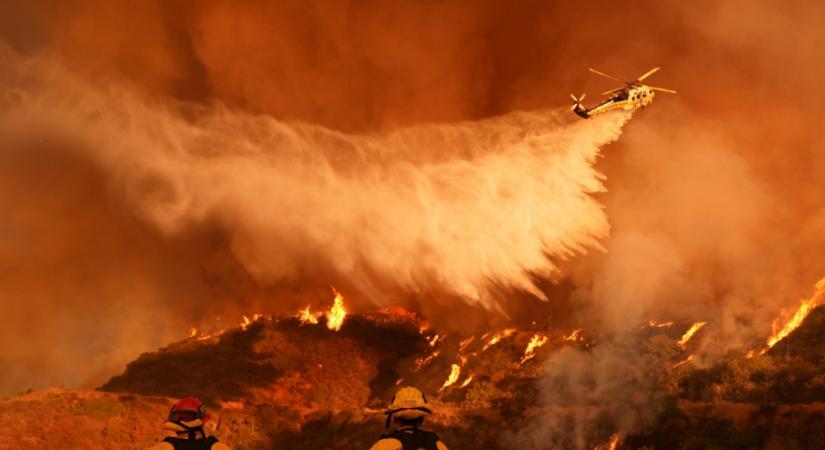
(184, 428)
(407, 411)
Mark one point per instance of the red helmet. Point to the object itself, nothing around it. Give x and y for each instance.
(187, 410)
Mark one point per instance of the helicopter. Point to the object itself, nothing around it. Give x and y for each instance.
(632, 95)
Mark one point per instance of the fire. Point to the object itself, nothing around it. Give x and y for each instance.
(466, 382)
(455, 372)
(247, 321)
(535, 343)
(421, 362)
(654, 324)
(690, 332)
(498, 337)
(576, 335)
(683, 362)
(193, 332)
(807, 305)
(434, 340)
(612, 444)
(337, 313)
(307, 317)
(465, 343)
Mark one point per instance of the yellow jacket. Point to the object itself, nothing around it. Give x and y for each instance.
(395, 444)
(172, 429)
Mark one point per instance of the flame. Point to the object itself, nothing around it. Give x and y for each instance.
(690, 332)
(247, 321)
(455, 372)
(576, 335)
(465, 343)
(683, 362)
(612, 444)
(193, 332)
(421, 362)
(498, 337)
(654, 324)
(466, 382)
(307, 317)
(337, 313)
(434, 340)
(535, 343)
(807, 305)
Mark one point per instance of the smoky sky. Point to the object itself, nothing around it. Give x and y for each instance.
(712, 202)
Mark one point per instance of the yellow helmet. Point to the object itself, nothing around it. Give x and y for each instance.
(408, 403)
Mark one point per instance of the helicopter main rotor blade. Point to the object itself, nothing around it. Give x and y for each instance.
(670, 91)
(606, 75)
(612, 91)
(648, 73)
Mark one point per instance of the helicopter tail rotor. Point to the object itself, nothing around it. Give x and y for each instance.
(577, 106)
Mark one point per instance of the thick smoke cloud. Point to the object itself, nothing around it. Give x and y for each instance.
(435, 209)
(712, 197)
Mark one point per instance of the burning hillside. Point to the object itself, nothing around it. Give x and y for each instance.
(289, 382)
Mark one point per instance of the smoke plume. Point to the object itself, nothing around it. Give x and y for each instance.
(172, 160)
(448, 209)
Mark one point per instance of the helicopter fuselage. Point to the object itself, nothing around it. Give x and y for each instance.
(632, 97)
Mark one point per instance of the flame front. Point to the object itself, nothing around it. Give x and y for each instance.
(690, 332)
(337, 313)
(307, 317)
(466, 382)
(535, 343)
(808, 305)
(455, 372)
(684, 361)
(576, 335)
(498, 337)
(612, 444)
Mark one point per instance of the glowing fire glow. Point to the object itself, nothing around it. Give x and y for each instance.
(654, 324)
(576, 335)
(466, 382)
(690, 332)
(455, 372)
(421, 362)
(535, 343)
(337, 313)
(807, 305)
(498, 337)
(434, 340)
(307, 317)
(465, 343)
(683, 362)
(193, 332)
(612, 444)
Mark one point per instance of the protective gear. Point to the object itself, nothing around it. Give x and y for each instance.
(187, 409)
(408, 403)
(185, 422)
